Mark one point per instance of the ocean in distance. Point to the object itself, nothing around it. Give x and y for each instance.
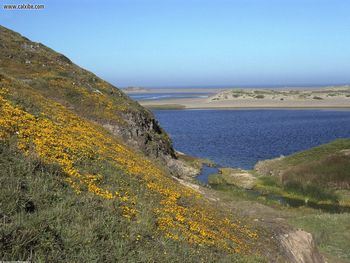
(240, 138)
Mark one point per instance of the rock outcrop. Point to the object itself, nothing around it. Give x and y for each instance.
(143, 132)
(299, 247)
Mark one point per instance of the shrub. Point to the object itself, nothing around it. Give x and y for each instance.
(269, 180)
(259, 96)
(310, 190)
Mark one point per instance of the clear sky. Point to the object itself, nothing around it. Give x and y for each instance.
(196, 42)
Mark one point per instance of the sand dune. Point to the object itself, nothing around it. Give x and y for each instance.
(331, 97)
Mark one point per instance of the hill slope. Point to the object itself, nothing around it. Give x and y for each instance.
(54, 76)
(74, 191)
(318, 173)
(328, 164)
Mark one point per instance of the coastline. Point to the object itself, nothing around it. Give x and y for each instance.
(204, 103)
(334, 98)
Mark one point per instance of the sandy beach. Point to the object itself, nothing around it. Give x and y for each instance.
(334, 97)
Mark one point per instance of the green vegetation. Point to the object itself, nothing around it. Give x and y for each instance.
(319, 175)
(331, 232)
(332, 94)
(57, 78)
(305, 174)
(196, 163)
(216, 180)
(281, 95)
(44, 220)
(231, 176)
(75, 192)
(325, 165)
(267, 186)
(296, 191)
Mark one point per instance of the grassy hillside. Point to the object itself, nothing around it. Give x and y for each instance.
(56, 77)
(310, 189)
(327, 164)
(44, 220)
(317, 172)
(74, 191)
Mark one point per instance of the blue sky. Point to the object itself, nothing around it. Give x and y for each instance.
(196, 42)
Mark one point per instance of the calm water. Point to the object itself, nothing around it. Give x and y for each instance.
(240, 138)
(206, 172)
(170, 95)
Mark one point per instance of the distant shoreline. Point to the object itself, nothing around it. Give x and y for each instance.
(205, 103)
(182, 107)
(337, 98)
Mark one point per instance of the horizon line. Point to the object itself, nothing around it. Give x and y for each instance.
(233, 86)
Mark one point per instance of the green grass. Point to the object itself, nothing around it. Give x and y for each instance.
(216, 180)
(43, 220)
(325, 165)
(268, 185)
(331, 232)
(224, 177)
(319, 152)
(56, 77)
(296, 190)
(195, 162)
